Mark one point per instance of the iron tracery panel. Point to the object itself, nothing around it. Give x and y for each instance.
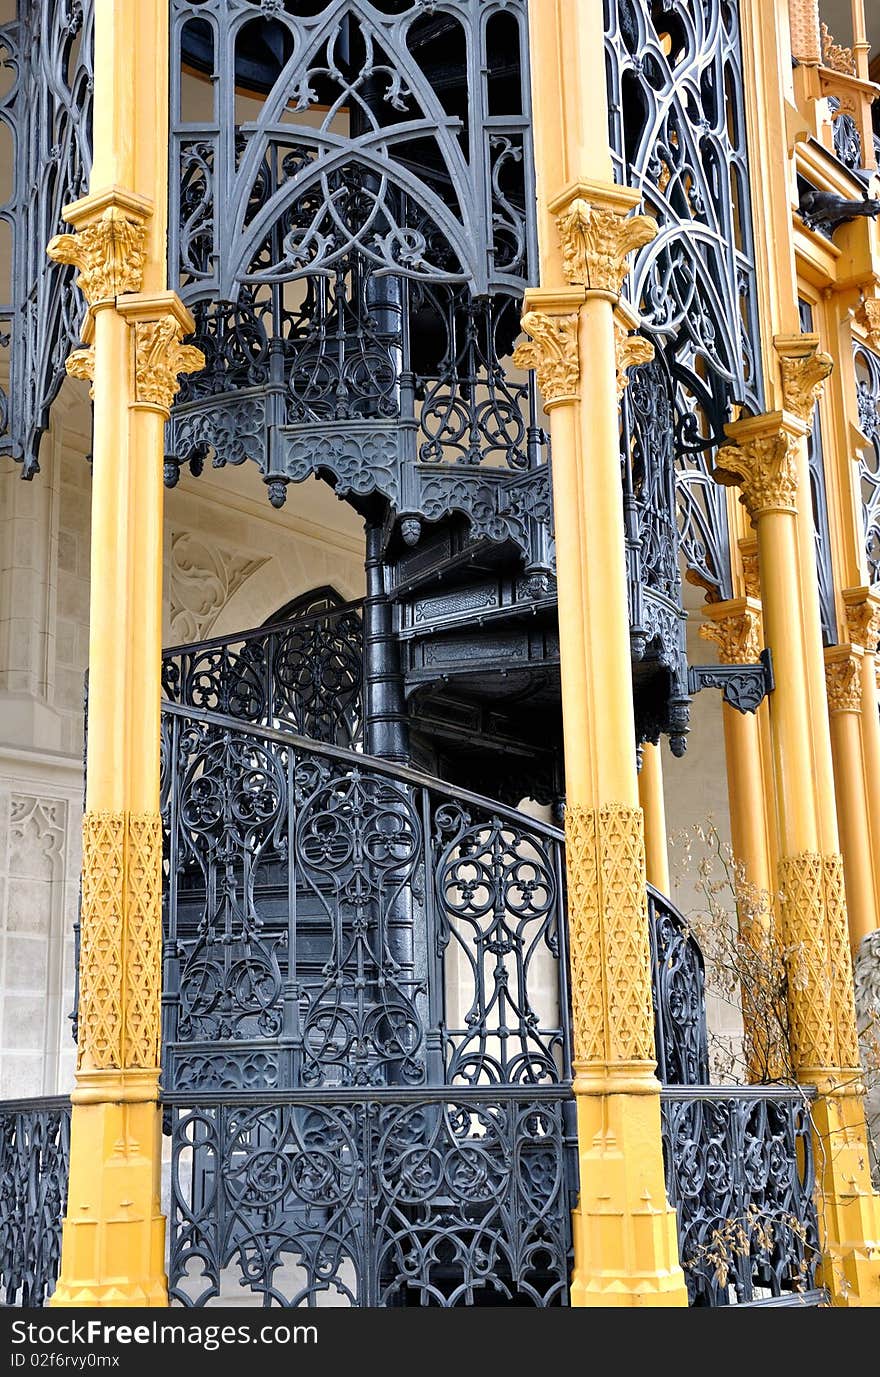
(46, 108)
(677, 134)
(867, 366)
(359, 294)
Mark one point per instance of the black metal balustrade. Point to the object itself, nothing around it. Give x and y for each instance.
(739, 1170)
(366, 1057)
(305, 674)
(34, 1163)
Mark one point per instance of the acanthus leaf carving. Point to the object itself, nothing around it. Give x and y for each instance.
(81, 364)
(804, 369)
(553, 354)
(596, 243)
(109, 253)
(630, 350)
(863, 620)
(737, 636)
(843, 682)
(765, 468)
(868, 316)
(160, 357)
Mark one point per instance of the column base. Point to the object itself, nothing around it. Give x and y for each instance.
(113, 1237)
(625, 1233)
(849, 1209)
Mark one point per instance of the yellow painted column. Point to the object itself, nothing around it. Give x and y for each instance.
(653, 806)
(114, 1234)
(767, 459)
(625, 1235)
(862, 605)
(843, 673)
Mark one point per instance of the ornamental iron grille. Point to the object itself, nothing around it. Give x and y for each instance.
(358, 298)
(867, 366)
(34, 1164)
(301, 672)
(677, 133)
(45, 109)
(819, 501)
(366, 1065)
(739, 1170)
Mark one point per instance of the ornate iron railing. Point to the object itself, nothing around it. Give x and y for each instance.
(46, 109)
(34, 1164)
(305, 674)
(679, 995)
(867, 366)
(739, 1170)
(366, 1050)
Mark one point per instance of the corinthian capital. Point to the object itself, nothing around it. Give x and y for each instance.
(630, 349)
(160, 322)
(863, 616)
(762, 461)
(735, 627)
(804, 370)
(108, 246)
(843, 679)
(597, 233)
(160, 357)
(553, 353)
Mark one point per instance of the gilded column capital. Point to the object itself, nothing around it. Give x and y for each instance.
(630, 348)
(735, 627)
(868, 316)
(843, 678)
(748, 557)
(762, 460)
(552, 321)
(804, 369)
(81, 364)
(598, 232)
(160, 323)
(108, 245)
(862, 606)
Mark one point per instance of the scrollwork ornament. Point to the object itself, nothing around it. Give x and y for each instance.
(553, 353)
(160, 357)
(597, 242)
(109, 254)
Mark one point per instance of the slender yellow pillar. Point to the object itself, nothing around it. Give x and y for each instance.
(113, 1235)
(767, 459)
(862, 606)
(625, 1236)
(843, 673)
(653, 806)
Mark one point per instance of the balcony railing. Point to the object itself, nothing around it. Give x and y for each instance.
(34, 1163)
